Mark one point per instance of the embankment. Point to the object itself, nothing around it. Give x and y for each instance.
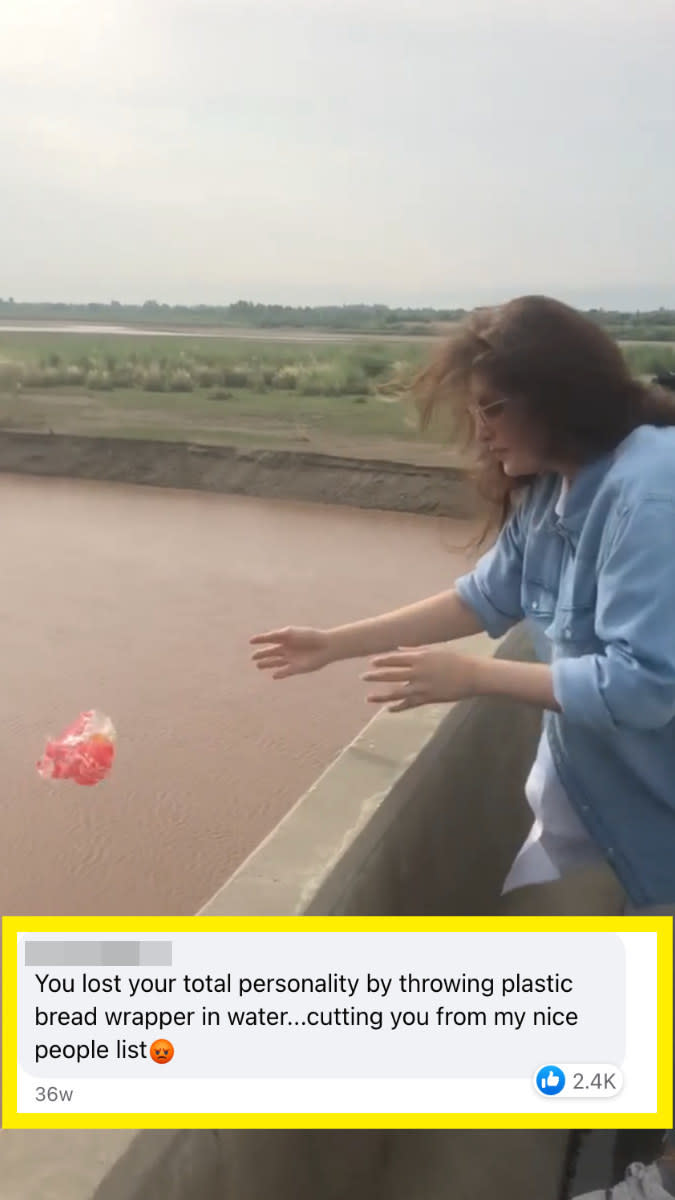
(270, 474)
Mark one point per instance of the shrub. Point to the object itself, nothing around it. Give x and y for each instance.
(286, 379)
(349, 381)
(398, 380)
(124, 375)
(372, 362)
(235, 377)
(650, 360)
(180, 381)
(99, 381)
(313, 381)
(330, 379)
(153, 379)
(46, 377)
(207, 377)
(11, 376)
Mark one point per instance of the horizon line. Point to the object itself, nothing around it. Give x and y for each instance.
(155, 305)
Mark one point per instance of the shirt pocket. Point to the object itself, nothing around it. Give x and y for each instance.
(539, 602)
(573, 627)
(573, 630)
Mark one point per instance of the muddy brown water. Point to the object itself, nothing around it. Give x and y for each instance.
(141, 601)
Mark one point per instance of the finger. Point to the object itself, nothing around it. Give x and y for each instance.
(284, 673)
(395, 660)
(260, 639)
(273, 664)
(391, 676)
(388, 697)
(414, 699)
(270, 652)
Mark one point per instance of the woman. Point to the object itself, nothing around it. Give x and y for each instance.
(578, 459)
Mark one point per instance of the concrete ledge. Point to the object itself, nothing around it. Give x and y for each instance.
(112, 1165)
(166, 1165)
(58, 1166)
(300, 1165)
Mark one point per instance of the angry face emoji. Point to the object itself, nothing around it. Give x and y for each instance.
(161, 1051)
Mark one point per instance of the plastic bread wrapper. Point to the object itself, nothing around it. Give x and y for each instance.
(84, 753)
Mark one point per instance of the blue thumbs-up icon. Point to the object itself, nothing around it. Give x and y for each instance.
(550, 1081)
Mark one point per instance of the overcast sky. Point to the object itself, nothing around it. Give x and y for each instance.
(449, 152)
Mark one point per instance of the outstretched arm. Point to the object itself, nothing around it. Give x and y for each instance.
(441, 618)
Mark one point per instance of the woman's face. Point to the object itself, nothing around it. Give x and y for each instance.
(501, 434)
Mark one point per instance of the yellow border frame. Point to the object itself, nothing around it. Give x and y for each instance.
(13, 926)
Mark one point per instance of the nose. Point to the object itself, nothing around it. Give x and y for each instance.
(483, 431)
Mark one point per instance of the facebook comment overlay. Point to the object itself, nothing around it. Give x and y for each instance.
(336, 1022)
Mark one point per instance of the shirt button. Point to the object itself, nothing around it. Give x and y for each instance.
(535, 604)
(610, 853)
(568, 633)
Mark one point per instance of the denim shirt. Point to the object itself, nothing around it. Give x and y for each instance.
(597, 588)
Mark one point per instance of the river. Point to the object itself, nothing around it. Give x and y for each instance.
(140, 602)
(232, 332)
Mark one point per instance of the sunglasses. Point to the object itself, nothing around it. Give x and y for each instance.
(484, 413)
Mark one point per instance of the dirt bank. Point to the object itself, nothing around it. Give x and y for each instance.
(271, 474)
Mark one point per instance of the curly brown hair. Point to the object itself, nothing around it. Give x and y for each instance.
(568, 377)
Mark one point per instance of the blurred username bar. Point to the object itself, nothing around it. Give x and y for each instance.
(98, 954)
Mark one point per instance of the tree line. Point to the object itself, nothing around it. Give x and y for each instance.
(657, 325)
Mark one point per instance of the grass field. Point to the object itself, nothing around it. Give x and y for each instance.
(204, 389)
(328, 397)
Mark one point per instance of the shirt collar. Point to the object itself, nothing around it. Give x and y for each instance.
(562, 497)
(574, 501)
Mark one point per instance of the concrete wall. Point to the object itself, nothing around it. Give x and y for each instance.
(251, 1165)
(395, 826)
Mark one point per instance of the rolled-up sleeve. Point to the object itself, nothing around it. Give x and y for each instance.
(631, 684)
(493, 589)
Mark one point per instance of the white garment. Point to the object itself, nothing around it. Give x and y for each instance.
(558, 841)
(641, 1183)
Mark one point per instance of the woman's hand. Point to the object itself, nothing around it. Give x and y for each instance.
(292, 651)
(436, 675)
(410, 678)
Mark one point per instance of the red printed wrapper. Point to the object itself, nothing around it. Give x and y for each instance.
(84, 753)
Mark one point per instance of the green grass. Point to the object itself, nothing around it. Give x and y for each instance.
(342, 362)
(219, 391)
(652, 358)
(201, 388)
(280, 413)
